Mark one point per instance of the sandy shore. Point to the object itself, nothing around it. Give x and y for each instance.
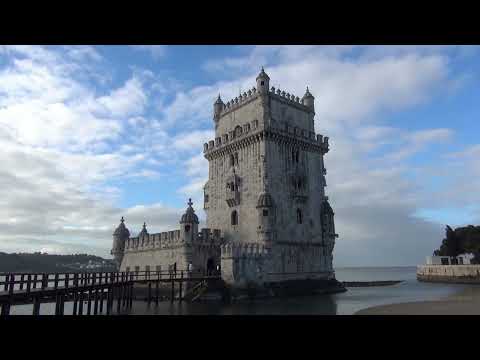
(466, 302)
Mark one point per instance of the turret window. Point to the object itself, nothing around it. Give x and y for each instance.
(234, 217)
(299, 216)
(187, 228)
(265, 212)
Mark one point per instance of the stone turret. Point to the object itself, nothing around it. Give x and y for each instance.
(189, 223)
(308, 100)
(217, 109)
(120, 236)
(263, 82)
(266, 216)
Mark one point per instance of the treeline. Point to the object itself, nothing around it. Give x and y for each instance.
(41, 262)
(461, 240)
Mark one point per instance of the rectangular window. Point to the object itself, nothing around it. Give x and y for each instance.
(158, 268)
(137, 268)
(265, 212)
(147, 267)
(127, 269)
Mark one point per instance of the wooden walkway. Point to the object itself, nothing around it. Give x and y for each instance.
(96, 289)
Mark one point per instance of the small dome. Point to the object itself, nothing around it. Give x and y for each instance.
(121, 230)
(144, 231)
(264, 200)
(263, 75)
(189, 216)
(308, 94)
(219, 100)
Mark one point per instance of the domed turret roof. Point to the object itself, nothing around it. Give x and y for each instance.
(189, 216)
(219, 100)
(144, 231)
(262, 75)
(121, 229)
(308, 94)
(264, 200)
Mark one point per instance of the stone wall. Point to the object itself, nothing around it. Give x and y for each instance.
(449, 273)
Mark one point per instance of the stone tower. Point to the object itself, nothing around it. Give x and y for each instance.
(120, 236)
(265, 189)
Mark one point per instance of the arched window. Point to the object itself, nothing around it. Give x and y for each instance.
(232, 160)
(236, 158)
(299, 216)
(234, 217)
(187, 228)
(238, 131)
(296, 156)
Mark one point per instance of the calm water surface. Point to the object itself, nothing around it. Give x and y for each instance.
(345, 303)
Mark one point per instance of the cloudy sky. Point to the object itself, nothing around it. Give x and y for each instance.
(92, 133)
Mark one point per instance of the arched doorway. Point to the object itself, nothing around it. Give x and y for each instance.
(210, 266)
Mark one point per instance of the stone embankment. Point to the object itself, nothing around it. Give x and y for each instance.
(459, 274)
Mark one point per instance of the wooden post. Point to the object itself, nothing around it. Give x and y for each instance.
(109, 290)
(44, 281)
(156, 292)
(5, 309)
(181, 285)
(29, 285)
(56, 281)
(57, 303)
(5, 285)
(149, 292)
(95, 308)
(89, 304)
(22, 278)
(75, 294)
(80, 303)
(62, 303)
(67, 280)
(35, 281)
(131, 294)
(36, 306)
(102, 293)
(119, 296)
(173, 291)
(12, 284)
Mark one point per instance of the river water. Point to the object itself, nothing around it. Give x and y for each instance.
(345, 303)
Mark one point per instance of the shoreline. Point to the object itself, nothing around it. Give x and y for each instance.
(465, 302)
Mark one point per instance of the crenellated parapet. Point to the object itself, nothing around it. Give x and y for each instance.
(288, 134)
(171, 240)
(290, 99)
(237, 250)
(166, 239)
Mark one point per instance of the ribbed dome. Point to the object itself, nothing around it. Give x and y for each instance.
(308, 94)
(144, 231)
(121, 231)
(189, 216)
(263, 75)
(264, 200)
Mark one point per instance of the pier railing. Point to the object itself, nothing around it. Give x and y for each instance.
(93, 287)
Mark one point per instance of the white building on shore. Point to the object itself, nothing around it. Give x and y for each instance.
(462, 259)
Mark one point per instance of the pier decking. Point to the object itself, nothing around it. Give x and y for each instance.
(95, 288)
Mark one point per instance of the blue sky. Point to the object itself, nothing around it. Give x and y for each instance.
(93, 133)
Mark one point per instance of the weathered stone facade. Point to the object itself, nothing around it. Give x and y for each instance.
(265, 190)
(265, 195)
(159, 252)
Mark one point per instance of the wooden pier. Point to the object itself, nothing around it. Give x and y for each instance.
(95, 293)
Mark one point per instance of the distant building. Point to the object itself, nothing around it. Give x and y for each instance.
(462, 259)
